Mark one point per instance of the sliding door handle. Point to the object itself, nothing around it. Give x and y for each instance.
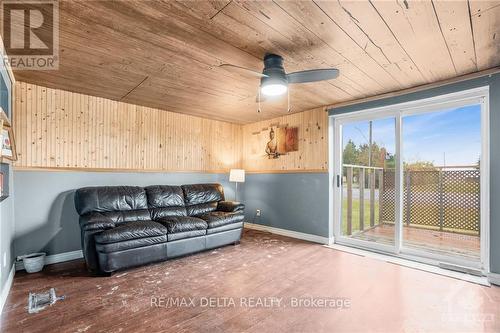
(338, 180)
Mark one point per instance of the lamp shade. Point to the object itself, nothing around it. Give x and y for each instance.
(237, 175)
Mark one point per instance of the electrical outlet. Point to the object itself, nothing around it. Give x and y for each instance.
(257, 213)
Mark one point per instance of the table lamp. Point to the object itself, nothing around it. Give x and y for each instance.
(237, 176)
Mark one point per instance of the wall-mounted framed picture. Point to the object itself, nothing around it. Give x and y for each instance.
(282, 141)
(8, 145)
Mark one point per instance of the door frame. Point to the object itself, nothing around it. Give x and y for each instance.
(478, 95)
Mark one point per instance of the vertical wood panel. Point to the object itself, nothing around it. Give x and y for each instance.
(349, 201)
(56, 128)
(380, 196)
(372, 197)
(361, 182)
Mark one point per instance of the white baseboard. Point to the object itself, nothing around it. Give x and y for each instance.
(290, 233)
(6, 287)
(55, 258)
(494, 278)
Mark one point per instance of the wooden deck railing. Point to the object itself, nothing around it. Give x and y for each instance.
(445, 198)
(366, 176)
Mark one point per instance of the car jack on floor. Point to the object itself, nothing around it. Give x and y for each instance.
(39, 301)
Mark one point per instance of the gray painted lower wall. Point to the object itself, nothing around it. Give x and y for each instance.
(45, 215)
(291, 201)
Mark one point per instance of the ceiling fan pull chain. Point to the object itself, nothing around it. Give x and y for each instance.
(258, 97)
(288, 110)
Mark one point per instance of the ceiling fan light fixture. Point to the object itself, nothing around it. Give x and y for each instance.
(274, 89)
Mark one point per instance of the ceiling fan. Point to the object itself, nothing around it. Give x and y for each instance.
(274, 80)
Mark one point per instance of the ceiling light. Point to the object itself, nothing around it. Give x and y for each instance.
(273, 89)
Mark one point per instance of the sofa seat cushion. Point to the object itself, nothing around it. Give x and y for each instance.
(131, 244)
(219, 219)
(186, 234)
(177, 224)
(224, 228)
(131, 230)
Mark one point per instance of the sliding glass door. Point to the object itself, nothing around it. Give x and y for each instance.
(410, 179)
(441, 153)
(367, 175)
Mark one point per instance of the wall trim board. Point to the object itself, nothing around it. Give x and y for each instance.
(70, 169)
(55, 258)
(6, 287)
(494, 278)
(286, 171)
(290, 233)
(423, 87)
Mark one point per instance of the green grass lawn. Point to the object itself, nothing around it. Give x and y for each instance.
(355, 214)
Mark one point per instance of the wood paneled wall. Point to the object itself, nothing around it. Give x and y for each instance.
(61, 129)
(313, 144)
(57, 129)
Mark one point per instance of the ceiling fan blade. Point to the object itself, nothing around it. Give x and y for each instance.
(312, 75)
(242, 70)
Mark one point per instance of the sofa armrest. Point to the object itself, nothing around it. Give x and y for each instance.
(230, 206)
(95, 221)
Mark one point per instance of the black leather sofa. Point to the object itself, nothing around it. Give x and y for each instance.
(125, 226)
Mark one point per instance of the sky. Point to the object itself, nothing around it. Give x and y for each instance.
(451, 136)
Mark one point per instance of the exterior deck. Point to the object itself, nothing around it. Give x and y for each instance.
(443, 242)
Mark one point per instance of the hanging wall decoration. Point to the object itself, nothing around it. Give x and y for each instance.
(282, 140)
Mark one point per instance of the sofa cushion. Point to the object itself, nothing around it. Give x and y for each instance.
(165, 201)
(130, 244)
(227, 227)
(202, 193)
(109, 199)
(95, 221)
(131, 230)
(218, 218)
(177, 224)
(186, 234)
(230, 206)
(202, 198)
(119, 217)
(200, 209)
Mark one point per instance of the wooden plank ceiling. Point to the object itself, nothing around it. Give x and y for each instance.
(166, 54)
